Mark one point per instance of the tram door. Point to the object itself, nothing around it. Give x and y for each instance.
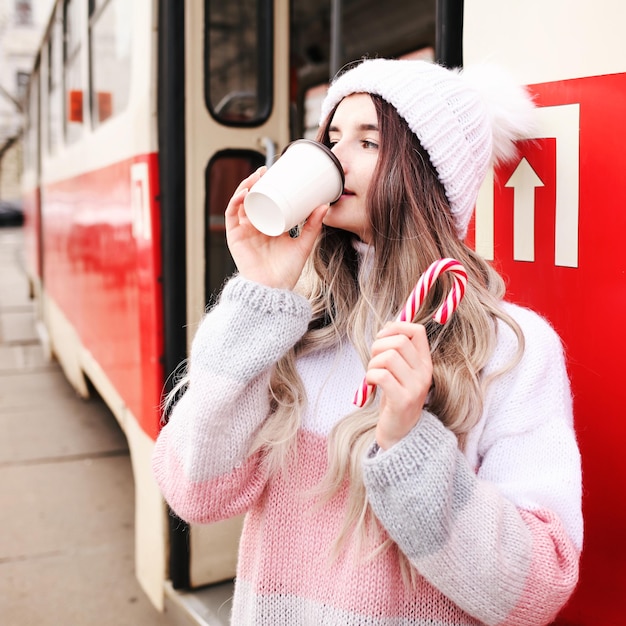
(554, 223)
(237, 118)
(254, 70)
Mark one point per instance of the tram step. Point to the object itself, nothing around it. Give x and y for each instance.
(207, 606)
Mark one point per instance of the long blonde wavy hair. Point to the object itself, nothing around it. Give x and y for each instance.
(411, 226)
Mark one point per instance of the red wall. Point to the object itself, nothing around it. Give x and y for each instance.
(587, 306)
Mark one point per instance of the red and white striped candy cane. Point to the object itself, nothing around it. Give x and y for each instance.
(415, 300)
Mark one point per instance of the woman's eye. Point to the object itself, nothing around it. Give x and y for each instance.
(370, 145)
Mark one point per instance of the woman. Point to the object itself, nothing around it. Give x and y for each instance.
(453, 496)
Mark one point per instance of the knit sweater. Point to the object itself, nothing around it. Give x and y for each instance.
(494, 532)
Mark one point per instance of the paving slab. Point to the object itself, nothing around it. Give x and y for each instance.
(36, 390)
(31, 435)
(63, 506)
(17, 326)
(88, 585)
(20, 358)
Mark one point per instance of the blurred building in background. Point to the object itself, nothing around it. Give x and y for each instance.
(21, 27)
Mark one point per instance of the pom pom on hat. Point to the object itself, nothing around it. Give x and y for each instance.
(466, 120)
(510, 109)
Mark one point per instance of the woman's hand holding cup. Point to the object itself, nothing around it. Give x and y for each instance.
(272, 261)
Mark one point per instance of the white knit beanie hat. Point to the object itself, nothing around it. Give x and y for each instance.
(465, 119)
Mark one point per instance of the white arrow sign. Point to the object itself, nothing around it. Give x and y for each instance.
(563, 123)
(524, 181)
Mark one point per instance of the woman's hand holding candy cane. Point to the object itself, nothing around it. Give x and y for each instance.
(401, 364)
(401, 367)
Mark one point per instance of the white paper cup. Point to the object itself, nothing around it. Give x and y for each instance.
(306, 176)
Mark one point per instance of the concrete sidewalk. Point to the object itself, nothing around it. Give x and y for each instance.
(66, 485)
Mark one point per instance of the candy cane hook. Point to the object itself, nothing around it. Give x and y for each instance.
(417, 297)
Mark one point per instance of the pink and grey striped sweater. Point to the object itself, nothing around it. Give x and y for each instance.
(494, 533)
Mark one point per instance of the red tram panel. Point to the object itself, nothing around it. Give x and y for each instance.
(102, 250)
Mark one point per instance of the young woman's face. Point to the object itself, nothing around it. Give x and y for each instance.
(355, 139)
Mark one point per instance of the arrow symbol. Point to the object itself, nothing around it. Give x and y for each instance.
(562, 123)
(524, 181)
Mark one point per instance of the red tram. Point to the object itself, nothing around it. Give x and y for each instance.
(143, 116)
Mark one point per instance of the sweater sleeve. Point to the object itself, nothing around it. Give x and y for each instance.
(502, 540)
(201, 458)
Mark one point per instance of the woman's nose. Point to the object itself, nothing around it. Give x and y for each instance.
(339, 152)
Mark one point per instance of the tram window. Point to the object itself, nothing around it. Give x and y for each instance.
(74, 82)
(54, 87)
(110, 38)
(392, 28)
(238, 76)
(224, 172)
